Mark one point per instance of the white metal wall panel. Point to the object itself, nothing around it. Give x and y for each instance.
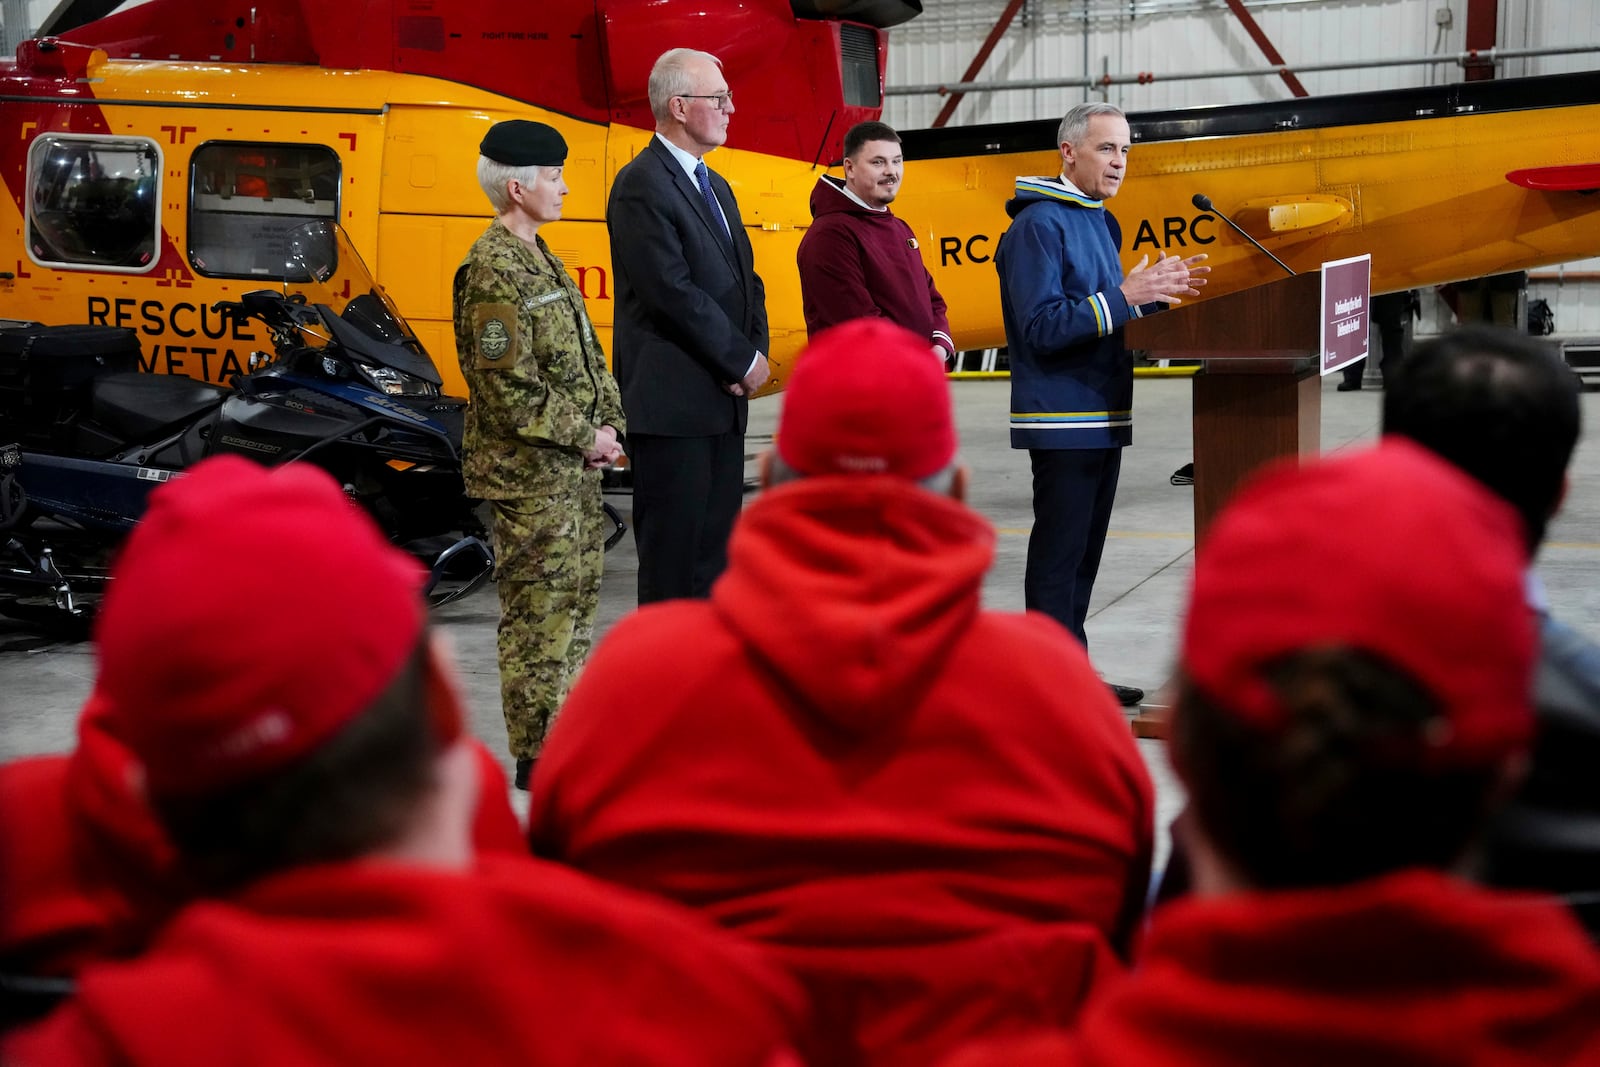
(1574, 295)
(1548, 24)
(1171, 37)
(15, 23)
(1051, 39)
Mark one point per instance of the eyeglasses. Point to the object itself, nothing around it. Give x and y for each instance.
(720, 101)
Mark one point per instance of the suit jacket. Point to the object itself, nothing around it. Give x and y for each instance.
(691, 311)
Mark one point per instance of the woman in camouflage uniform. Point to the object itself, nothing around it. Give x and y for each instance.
(545, 416)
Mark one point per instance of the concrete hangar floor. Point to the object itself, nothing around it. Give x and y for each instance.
(1136, 613)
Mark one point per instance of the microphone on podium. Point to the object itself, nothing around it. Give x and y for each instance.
(1203, 202)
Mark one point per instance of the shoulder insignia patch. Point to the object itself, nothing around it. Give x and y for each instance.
(494, 333)
(493, 339)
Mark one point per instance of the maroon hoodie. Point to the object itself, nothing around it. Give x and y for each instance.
(931, 814)
(857, 263)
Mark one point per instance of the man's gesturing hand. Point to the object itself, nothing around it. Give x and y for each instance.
(1169, 279)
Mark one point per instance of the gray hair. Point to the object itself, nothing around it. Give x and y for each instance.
(670, 77)
(493, 175)
(940, 481)
(1075, 125)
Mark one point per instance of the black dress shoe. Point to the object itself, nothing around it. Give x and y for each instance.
(1347, 387)
(1127, 695)
(1184, 475)
(524, 769)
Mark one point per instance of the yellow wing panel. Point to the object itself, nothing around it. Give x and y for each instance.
(1427, 198)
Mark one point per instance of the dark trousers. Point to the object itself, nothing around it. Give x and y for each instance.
(1389, 313)
(1073, 489)
(686, 494)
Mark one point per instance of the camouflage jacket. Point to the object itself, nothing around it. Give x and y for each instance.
(534, 368)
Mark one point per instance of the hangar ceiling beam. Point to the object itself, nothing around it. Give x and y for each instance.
(1001, 25)
(1264, 43)
(1493, 55)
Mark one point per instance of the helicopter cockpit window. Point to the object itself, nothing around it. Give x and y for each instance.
(94, 201)
(247, 198)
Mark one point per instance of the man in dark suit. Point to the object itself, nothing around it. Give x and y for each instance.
(691, 331)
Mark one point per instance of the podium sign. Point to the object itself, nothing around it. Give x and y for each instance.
(1259, 396)
(1346, 292)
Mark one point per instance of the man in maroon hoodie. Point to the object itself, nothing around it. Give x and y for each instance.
(1347, 721)
(296, 734)
(929, 813)
(858, 260)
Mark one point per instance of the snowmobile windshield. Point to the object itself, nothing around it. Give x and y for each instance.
(324, 267)
(325, 270)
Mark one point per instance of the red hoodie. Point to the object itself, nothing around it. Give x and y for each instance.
(1411, 970)
(857, 263)
(516, 963)
(86, 872)
(46, 927)
(930, 813)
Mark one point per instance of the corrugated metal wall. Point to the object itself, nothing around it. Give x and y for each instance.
(1085, 39)
(1079, 39)
(1574, 295)
(16, 20)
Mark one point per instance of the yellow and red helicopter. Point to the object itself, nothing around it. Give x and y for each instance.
(153, 159)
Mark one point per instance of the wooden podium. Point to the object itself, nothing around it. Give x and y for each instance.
(1257, 398)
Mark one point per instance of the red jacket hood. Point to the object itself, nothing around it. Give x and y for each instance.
(85, 871)
(112, 819)
(49, 924)
(1415, 968)
(852, 588)
(378, 963)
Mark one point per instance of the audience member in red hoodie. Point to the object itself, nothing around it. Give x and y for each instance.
(319, 794)
(86, 871)
(857, 260)
(931, 814)
(1347, 722)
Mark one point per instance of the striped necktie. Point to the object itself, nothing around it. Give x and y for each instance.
(702, 177)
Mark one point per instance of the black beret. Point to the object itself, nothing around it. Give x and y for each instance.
(521, 143)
